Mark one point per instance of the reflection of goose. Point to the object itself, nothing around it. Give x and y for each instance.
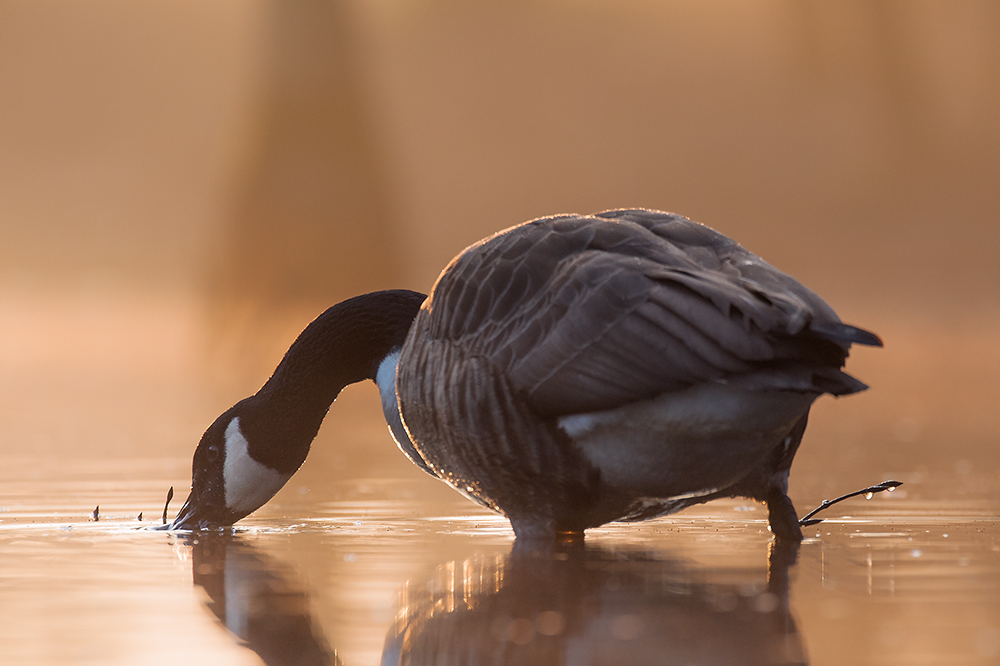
(566, 372)
(257, 603)
(591, 606)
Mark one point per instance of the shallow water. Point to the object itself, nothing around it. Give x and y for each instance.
(392, 570)
(364, 559)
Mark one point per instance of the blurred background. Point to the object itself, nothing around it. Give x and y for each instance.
(184, 185)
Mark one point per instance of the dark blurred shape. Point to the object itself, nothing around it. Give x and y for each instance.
(591, 605)
(310, 225)
(258, 602)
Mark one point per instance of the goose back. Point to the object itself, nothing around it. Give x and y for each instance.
(590, 313)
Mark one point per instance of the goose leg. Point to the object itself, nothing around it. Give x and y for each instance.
(781, 516)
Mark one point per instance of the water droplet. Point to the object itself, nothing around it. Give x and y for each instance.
(891, 489)
(916, 552)
(869, 495)
(550, 623)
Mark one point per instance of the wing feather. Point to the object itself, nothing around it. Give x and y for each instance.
(588, 313)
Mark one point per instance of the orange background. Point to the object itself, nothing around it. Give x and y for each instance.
(183, 185)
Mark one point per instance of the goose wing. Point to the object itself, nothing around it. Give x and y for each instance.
(584, 313)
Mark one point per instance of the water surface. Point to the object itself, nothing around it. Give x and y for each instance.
(362, 559)
(392, 570)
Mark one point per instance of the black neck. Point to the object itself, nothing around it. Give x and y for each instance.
(342, 346)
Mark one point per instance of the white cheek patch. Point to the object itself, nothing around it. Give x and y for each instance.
(248, 483)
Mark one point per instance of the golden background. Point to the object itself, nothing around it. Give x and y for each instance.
(183, 185)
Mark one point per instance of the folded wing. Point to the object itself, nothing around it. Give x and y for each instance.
(590, 313)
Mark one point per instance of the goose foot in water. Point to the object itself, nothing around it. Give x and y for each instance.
(782, 519)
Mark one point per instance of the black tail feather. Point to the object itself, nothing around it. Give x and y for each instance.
(839, 332)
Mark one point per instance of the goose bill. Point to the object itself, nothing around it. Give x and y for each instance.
(192, 516)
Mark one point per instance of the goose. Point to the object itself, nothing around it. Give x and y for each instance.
(566, 372)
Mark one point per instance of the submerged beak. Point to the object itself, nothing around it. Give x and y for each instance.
(191, 517)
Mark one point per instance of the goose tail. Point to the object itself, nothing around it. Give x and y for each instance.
(840, 332)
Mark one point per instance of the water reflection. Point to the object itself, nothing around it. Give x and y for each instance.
(593, 605)
(904, 579)
(258, 601)
(582, 604)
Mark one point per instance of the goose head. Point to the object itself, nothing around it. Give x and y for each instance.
(231, 479)
(250, 451)
(206, 504)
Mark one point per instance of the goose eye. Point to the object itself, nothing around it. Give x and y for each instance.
(213, 452)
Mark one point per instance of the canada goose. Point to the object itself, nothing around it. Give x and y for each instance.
(566, 372)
